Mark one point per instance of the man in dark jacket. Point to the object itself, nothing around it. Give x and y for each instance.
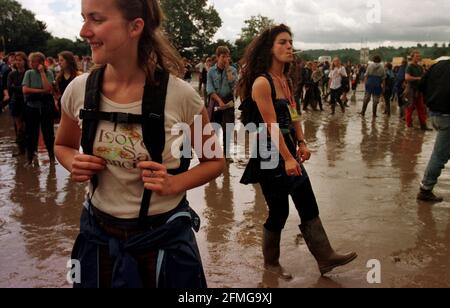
(437, 95)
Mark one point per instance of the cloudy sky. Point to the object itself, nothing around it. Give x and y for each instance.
(319, 24)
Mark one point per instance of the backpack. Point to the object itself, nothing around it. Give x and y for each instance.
(249, 110)
(152, 121)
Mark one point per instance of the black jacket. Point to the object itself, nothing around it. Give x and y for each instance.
(436, 87)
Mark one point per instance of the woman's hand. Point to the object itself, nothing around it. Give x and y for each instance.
(303, 153)
(293, 168)
(84, 167)
(157, 179)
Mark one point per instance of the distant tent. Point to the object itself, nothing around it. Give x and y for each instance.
(442, 59)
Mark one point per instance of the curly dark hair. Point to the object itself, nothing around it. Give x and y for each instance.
(258, 59)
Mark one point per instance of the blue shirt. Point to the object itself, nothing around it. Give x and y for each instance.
(218, 82)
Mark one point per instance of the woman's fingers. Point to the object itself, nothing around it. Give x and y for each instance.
(299, 170)
(150, 165)
(88, 166)
(81, 178)
(81, 172)
(153, 181)
(90, 159)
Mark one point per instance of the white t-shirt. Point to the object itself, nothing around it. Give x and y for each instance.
(336, 77)
(120, 187)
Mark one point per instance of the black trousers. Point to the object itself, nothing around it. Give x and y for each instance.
(37, 119)
(223, 118)
(336, 97)
(277, 187)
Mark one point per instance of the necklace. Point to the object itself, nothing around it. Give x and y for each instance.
(286, 89)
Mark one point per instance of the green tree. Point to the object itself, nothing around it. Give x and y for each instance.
(190, 24)
(211, 49)
(19, 29)
(253, 26)
(56, 45)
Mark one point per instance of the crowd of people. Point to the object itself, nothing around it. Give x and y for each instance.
(136, 221)
(32, 88)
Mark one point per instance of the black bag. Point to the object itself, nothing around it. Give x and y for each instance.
(249, 110)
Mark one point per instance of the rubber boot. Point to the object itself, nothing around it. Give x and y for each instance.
(317, 241)
(271, 252)
(428, 196)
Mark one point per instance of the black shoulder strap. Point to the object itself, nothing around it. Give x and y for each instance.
(92, 103)
(272, 85)
(153, 128)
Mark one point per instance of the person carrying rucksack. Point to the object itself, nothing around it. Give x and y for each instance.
(136, 225)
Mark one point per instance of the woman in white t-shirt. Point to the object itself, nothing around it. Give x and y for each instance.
(337, 73)
(127, 42)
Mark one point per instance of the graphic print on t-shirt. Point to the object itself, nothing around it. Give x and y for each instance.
(121, 145)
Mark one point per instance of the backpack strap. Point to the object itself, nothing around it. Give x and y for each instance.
(153, 128)
(272, 85)
(91, 104)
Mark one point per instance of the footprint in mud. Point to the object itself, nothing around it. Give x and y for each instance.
(3, 231)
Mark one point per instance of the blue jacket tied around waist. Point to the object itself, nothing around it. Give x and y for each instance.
(178, 264)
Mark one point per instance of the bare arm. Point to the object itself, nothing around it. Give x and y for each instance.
(27, 90)
(45, 83)
(217, 98)
(409, 77)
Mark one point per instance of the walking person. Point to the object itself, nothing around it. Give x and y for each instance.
(437, 95)
(265, 86)
(414, 74)
(317, 77)
(375, 82)
(17, 102)
(400, 86)
(222, 79)
(136, 225)
(5, 69)
(39, 110)
(337, 75)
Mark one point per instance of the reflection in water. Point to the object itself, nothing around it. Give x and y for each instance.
(311, 127)
(429, 257)
(335, 131)
(47, 227)
(219, 215)
(255, 215)
(406, 147)
(375, 142)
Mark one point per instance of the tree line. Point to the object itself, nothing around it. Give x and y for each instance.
(190, 25)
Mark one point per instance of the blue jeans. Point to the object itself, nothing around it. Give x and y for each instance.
(441, 152)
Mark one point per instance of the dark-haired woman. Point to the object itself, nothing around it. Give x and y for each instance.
(264, 79)
(65, 76)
